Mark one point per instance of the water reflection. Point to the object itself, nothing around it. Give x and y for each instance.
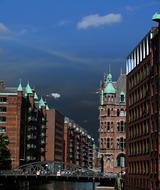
(63, 186)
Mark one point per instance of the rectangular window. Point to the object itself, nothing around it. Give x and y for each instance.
(3, 99)
(2, 129)
(3, 109)
(2, 119)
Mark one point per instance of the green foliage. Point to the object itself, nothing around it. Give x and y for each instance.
(5, 157)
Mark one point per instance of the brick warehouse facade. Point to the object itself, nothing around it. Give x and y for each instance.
(23, 120)
(143, 110)
(112, 118)
(55, 136)
(78, 145)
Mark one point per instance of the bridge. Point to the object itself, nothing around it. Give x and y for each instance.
(48, 171)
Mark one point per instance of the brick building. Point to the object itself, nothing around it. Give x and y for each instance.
(23, 120)
(78, 145)
(143, 110)
(112, 118)
(55, 136)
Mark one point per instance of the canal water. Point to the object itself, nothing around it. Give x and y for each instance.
(64, 186)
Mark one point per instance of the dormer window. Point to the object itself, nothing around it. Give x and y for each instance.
(122, 97)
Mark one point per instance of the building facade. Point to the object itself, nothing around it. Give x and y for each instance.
(143, 110)
(23, 120)
(55, 136)
(112, 120)
(78, 145)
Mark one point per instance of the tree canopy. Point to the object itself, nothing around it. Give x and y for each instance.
(5, 157)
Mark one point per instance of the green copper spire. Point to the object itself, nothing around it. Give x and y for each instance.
(47, 108)
(109, 78)
(35, 96)
(41, 103)
(28, 89)
(20, 87)
(109, 89)
(156, 17)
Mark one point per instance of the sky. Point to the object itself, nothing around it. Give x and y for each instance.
(63, 48)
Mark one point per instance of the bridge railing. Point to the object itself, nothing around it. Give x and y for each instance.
(51, 168)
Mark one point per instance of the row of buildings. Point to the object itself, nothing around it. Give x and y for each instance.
(129, 132)
(37, 133)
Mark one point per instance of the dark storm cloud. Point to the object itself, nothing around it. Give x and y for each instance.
(76, 79)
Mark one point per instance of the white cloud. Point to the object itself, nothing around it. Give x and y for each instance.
(97, 20)
(55, 95)
(3, 29)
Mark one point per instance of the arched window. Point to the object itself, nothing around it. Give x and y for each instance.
(122, 97)
(108, 142)
(108, 112)
(122, 126)
(118, 112)
(122, 112)
(112, 98)
(118, 126)
(108, 126)
(121, 143)
(121, 160)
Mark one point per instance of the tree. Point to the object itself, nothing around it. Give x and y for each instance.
(5, 157)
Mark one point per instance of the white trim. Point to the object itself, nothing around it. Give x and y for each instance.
(8, 94)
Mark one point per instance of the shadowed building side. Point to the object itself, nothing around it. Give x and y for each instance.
(78, 145)
(143, 110)
(55, 136)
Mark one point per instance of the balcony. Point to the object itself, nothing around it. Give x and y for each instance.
(31, 146)
(43, 134)
(31, 137)
(43, 126)
(43, 142)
